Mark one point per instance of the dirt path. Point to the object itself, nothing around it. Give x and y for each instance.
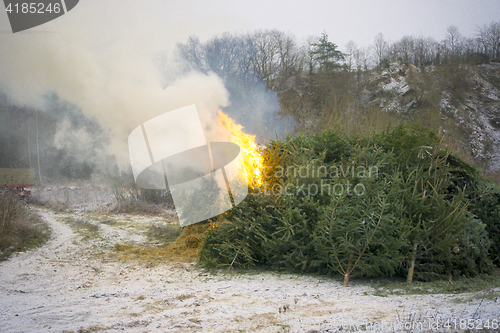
(71, 285)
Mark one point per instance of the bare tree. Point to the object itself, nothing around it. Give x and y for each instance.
(494, 38)
(489, 40)
(351, 49)
(193, 55)
(404, 50)
(425, 51)
(453, 42)
(266, 57)
(311, 63)
(380, 48)
(291, 60)
(277, 58)
(362, 59)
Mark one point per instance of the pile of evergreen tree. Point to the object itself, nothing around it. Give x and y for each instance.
(394, 203)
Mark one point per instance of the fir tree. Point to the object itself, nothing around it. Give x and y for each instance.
(326, 54)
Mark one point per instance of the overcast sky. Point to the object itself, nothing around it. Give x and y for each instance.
(361, 20)
(357, 20)
(112, 58)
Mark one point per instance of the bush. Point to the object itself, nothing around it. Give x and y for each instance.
(20, 229)
(137, 207)
(472, 251)
(485, 205)
(131, 199)
(412, 218)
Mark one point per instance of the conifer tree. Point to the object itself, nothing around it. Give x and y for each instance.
(436, 218)
(326, 54)
(359, 233)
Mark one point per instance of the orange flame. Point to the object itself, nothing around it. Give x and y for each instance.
(253, 161)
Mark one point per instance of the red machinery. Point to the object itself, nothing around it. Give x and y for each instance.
(19, 180)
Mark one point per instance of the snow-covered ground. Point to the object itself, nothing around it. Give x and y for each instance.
(72, 285)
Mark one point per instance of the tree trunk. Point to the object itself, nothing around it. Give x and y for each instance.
(409, 278)
(346, 280)
(348, 271)
(29, 148)
(38, 151)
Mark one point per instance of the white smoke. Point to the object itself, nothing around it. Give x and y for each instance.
(103, 56)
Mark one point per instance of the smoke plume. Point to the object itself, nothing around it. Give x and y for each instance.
(106, 59)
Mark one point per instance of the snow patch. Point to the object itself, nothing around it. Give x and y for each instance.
(399, 86)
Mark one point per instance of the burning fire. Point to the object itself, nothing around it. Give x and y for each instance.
(253, 162)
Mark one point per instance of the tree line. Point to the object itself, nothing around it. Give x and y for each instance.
(275, 56)
(316, 84)
(423, 51)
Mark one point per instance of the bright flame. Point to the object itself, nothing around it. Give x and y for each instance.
(253, 161)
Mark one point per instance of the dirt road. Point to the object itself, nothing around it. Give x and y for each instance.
(72, 285)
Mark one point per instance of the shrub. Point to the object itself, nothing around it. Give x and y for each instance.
(20, 229)
(485, 205)
(418, 214)
(471, 255)
(130, 198)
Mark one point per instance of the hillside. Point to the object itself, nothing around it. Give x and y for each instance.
(468, 111)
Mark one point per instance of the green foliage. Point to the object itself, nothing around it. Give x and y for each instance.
(485, 205)
(326, 53)
(472, 251)
(332, 143)
(393, 203)
(436, 220)
(359, 234)
(241, 240)
(384, 63)
(359, 231)
(404, 139)
(294, 235)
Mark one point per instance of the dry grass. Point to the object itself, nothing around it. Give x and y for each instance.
(138, 207)
(84, 228)
(493, 176)
(52, 205)
(20, 228)
(99, 198)
(184, 248)
(164, 233)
